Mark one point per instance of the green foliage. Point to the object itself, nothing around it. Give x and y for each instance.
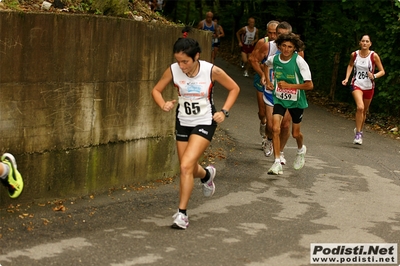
(109, 7)
(337, 27)
(12, 4)
(331, 28)
(99, 7)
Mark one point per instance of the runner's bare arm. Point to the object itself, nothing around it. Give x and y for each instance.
(379, 65)
(307, 85)
(159, 88)
(349, 69)
(239, 36)
(221, 32)
(255, 38)
(267, 82)
(228, 83)
(258, 54)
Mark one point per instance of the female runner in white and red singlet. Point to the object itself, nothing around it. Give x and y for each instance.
(363, 82)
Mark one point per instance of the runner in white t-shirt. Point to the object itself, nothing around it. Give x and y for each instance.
(292, 76)
(260, 56)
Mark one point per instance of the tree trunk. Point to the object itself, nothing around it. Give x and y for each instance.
(233, 39)
(199, 6)
(334, 76)
(236, 26)
(187, 13)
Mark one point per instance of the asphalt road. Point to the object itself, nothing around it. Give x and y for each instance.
(344, 194)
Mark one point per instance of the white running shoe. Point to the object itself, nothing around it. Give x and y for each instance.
(358, 138)
(282, 158)
(300, 159)
(181, 221)
(268, 148)
(209, 186)
(276, 169)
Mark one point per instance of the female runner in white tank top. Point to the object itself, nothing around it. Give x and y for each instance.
(196, 116)
(363, 82)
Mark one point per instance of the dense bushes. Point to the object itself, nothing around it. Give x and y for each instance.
(331, 31)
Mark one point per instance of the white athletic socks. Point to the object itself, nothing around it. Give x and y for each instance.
(300, 150)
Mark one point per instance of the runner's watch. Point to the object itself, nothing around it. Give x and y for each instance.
(226, 113)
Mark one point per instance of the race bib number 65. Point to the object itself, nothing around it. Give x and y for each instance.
(195, 107)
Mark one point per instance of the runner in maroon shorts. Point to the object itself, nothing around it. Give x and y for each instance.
(247, 38)
(363, 82)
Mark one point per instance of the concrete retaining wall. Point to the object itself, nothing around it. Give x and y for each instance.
(75, 102)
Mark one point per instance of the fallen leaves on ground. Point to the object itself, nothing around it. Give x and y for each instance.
(59, 208)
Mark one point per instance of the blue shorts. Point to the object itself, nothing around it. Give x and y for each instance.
(268, 98)
(257, 83)
(267, 95)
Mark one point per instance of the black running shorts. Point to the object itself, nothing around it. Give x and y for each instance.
(296, 113)
(183, 133)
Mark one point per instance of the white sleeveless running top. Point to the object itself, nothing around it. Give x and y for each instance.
(196, 103)
(249, 36)
(361, 67)
(273, 50)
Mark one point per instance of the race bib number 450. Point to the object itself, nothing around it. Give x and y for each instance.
(286, 94)
(195, 107)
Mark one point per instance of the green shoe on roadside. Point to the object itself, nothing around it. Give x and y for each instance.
(14, 182)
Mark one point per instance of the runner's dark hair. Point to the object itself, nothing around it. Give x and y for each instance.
(365, 35)
(293, 38)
